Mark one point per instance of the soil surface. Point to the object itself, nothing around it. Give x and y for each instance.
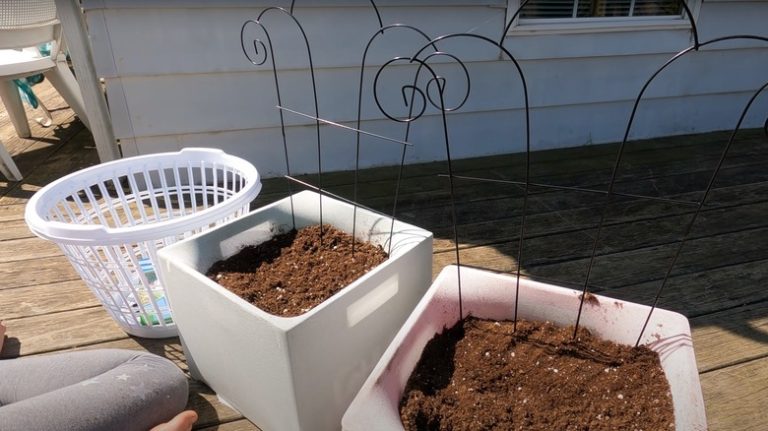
(293, 272)
(482, 375)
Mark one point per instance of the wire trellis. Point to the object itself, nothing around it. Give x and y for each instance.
(526, 185)
(265, 52)
(420, 92)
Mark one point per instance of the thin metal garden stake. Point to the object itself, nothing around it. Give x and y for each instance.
(690, 224)
(407, 120)
(358, 132)
(441, 108)
(357, 157)
(421, 91)
(512, 20)
(440, 83)
(694, 48)
(617, 163)
(509, 57)
(256, 43)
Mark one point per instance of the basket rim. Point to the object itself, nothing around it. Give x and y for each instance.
(97, 234)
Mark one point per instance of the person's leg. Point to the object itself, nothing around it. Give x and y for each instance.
(90, 390)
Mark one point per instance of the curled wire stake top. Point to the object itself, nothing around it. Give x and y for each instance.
(425, 95)
(256, 44)
(277, 94)
(413, 89)
(398, 181)
(440, 84)
(314, 92)
(437, 80)
(441, 108)
(527, 156)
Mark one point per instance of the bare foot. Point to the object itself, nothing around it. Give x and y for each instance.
(182, 422)
(2, 335)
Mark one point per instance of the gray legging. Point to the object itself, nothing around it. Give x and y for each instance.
(90, 390)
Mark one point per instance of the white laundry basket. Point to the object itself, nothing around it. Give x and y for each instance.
(111, 219)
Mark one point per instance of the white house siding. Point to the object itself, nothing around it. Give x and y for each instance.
(176, 77)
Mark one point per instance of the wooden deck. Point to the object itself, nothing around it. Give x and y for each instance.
(719, 282)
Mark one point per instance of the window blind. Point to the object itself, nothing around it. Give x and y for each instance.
(537, 9)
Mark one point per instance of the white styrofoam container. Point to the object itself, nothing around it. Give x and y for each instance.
(491, 296)
(292, 373)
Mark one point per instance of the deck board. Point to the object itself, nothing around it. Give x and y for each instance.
(735, 396)
(731, 337)
(14, 229)
(705, 292)
(719, 282)
(239, 425)
(21, 249)
(39, 271)
(59, 331)
(42, 299)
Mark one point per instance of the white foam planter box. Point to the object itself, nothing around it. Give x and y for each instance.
(491, 296)
(293, 373)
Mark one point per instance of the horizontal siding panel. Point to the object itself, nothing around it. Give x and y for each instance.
(471, 134)
(165, 105)
(721, 19)
(208, 40)
(609, 79)
(132, 42)
(123, 4)
(176, 77)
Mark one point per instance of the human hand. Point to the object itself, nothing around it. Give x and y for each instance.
(182, 422)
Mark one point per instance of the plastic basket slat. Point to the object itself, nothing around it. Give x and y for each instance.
(110, 220)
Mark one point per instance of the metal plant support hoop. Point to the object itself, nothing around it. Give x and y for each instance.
(427, 91)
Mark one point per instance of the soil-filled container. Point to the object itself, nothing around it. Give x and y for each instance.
(293, 373)
(488, 295)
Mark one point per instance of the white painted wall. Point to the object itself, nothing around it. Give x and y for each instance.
(176, 77)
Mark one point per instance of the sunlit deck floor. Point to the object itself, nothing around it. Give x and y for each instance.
(719, 283)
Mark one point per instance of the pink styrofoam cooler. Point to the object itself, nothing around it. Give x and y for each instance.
(490, 295)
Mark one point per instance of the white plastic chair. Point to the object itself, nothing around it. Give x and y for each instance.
(25, 24)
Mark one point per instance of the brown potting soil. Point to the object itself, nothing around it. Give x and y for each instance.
(483, 375)
(294, 272)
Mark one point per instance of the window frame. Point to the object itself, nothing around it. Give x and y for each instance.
(598, 24)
